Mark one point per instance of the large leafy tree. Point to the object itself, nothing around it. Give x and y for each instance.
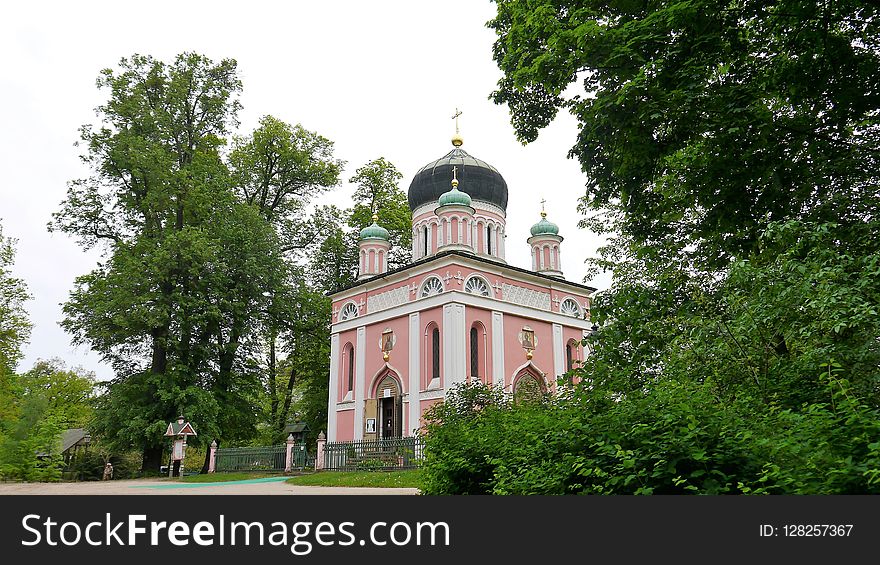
(186, 261)
(702, 121)
(730, 153)
(278, 170)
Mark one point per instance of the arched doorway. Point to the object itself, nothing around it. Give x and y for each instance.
(383, 413)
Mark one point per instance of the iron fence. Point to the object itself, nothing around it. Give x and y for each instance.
(378, 455)
(272, 458)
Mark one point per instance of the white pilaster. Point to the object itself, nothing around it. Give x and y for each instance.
(334, 387)
(497, 349)
(360, 360)
(415, 365)
(454, 345)
(558, 352)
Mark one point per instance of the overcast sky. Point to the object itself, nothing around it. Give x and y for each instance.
(378, 78)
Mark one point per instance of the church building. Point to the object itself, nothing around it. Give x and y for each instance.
(458, 312)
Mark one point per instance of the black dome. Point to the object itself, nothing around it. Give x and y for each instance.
(477, 178)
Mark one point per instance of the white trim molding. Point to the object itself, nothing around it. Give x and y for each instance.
(359, 378)
(334, 387)
(415, 365)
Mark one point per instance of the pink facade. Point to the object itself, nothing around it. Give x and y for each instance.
(458, 313)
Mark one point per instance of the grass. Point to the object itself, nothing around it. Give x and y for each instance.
(223, 477)
(381, 479)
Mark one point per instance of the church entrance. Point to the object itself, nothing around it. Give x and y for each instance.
(390, 408)
(388, 417)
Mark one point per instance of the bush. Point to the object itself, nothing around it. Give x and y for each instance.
(676, 439)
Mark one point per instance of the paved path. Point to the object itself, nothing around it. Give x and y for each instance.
(272, 485)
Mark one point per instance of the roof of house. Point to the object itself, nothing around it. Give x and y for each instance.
(295, 428)
(72, 437)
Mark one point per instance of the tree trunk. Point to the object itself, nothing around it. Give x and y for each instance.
(273, 375)
(152, 460)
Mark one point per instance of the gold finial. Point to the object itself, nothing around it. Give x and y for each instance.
(375, 217)
(454, 177)
(543, 212)
(456, 139)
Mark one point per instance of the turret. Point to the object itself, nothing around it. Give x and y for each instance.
(373, 247)
(545, 242)
(456, 217)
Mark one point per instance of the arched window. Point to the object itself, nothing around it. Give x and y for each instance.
(350, 368)
(569, 357)
(435, 353)
(570, 308)
(425, 241)
(475, 353)
(349, 311)
(488, 240)
(477, 285)
(432, 285)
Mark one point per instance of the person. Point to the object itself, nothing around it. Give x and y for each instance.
(108, 471)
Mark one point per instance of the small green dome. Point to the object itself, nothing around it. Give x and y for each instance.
(374, 231)
(545, 227)
(455, 197)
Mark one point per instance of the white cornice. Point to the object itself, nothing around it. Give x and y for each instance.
(381, 281)
(460, 297)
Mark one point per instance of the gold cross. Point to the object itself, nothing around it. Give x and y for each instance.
(542, 204)
(454, 168)
(455, 117)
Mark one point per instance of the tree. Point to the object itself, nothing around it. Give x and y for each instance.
(184, 256)
(377, 192)
(14, 324)
(277, 170)
(710, 135)
(702, 122)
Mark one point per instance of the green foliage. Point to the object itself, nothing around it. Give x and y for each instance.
(730, 156)
(14, 324)
(378, 192)
(700, 122)
(369, 479)
(680, 439)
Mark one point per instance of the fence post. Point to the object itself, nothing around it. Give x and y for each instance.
(319, 454)
(212, 461)
(288, 465)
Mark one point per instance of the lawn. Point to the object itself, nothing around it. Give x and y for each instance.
(223, 477)
(387, 479)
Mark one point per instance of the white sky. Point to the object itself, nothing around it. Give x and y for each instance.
(377, 78)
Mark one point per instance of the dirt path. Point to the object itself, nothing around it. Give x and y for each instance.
(152, 486)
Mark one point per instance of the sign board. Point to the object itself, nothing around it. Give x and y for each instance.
(177, 451)
(371, 425)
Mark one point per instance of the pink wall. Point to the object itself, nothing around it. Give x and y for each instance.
(345, 425)
(515, 355)
(375, 366)
(423, 407)
(428, 318)
(484, 317)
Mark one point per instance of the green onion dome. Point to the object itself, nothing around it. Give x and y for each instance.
(455, 197)
(545, 227)
(374, 231)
